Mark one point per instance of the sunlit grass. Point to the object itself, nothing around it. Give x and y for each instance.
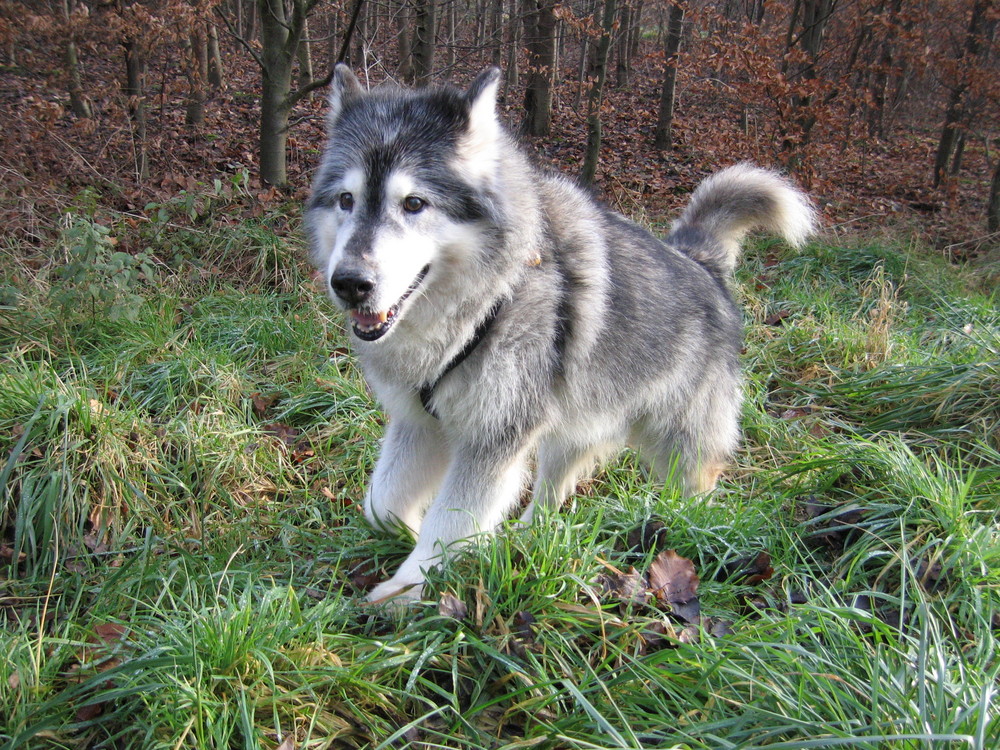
(183, 556)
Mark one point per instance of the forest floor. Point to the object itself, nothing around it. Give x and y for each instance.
(48, 158)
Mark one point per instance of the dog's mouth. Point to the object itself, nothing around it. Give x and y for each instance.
(369, 325)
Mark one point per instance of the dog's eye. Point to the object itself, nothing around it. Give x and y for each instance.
(346, 201)
(412, 204)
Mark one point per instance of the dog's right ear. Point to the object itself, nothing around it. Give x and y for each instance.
(343, 89)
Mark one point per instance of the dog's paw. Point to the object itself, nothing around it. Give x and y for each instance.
(394, 595)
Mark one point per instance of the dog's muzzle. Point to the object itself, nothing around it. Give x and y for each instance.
(355, 289)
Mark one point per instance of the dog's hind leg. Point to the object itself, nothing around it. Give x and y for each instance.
(690, 451)
(678, 460)
(407, 476)
(560, 466)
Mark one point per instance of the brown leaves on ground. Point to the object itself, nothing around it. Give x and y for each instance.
(299, 447)
(672, 578)
(99, 654)
(669, 585)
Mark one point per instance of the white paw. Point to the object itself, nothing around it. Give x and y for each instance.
(396, 595)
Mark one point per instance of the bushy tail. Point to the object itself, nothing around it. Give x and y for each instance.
(729, 204)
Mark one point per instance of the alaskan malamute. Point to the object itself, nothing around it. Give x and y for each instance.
(504, 317)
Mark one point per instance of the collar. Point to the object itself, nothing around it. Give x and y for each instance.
(426, 391)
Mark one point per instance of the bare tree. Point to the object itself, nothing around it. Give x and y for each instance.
(663, 138)
(424, 26)
(993, 207)
(594, 100)
(78, 103)
(540, 41)
(282, 24)
(955, 111)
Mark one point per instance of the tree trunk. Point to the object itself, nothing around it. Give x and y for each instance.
(496, 32)
(540, 41)
(597, 95)
(215, 75)
(663, 139)
(135, 93)
(450, 23)
(880, 87)
(405, 43)
(623, 49)
(955, 111)
(425, 23)
(993, 207)
(276, 58)
(513, 45)
(197, 74)
(78, 103)
(305, 58)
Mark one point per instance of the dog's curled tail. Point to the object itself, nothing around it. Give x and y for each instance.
(729, 204)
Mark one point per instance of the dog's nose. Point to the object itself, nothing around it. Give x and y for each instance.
(352, 286)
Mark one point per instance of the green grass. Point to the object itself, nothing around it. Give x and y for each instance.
(182, 555)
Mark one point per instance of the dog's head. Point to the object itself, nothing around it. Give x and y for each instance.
(405, 186)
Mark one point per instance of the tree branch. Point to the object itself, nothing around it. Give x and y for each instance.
(235, 34)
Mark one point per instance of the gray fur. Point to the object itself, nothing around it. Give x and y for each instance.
(606, 336)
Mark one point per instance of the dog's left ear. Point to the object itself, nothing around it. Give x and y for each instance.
(479, 149)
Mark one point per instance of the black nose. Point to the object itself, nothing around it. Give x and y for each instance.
(352, 286)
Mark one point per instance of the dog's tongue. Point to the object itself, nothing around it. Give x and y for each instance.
(367, 319)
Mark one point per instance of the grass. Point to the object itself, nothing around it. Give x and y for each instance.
(182, 554)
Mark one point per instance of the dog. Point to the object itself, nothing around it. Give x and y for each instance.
(504, 317)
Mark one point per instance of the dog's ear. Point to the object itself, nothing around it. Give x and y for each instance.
(479, 149)
(343, 88)
(482, 98)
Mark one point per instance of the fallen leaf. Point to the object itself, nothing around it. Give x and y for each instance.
(630, 587)
(647, 537)
(261, 405)
(720, 628)
(749, 570)
(689, 611)
(283, 432)
(672, 578)
(452, 606)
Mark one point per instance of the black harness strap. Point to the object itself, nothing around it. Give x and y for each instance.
(426, 391)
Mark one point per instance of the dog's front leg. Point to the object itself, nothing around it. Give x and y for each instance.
(408, 474)
(479, 490)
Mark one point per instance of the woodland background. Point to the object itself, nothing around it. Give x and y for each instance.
(887, 111)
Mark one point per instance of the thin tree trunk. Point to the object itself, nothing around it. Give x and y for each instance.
(215, 74)
(496, 33)
(513, 44)
(197, 74)
(305, 57)
(450, 23)
(993, 206)
(135, 85)
(955, 111)
(78, 103)
(540, 41)
(404, 42)
(663, 139)
(596, 97)
(424, 45)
